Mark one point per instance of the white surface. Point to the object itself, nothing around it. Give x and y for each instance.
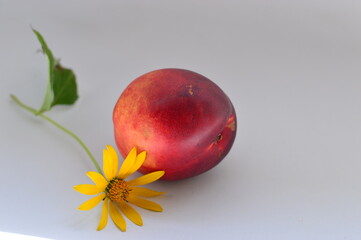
(15, 236)
(291, 68)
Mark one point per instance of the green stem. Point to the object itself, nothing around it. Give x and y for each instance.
(32, 110)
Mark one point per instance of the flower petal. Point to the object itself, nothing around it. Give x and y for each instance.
(88, 189)
(128, 163)
(145, 192)
(138, 163)
(117, 217)
(98, 179)
(92, 202)
(130, 213)
(146, 204)
(110, 162)
(148, 178)
(113, 154)
(104, 219)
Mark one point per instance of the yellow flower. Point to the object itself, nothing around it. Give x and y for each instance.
(116, 193)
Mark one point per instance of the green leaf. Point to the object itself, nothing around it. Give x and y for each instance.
(61, 87)
(48, 92)
(64, 86)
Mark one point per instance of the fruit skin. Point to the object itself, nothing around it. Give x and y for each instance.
(184, 121)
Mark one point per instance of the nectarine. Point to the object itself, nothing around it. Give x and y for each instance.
(184, 121)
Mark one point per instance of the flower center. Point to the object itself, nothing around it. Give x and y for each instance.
(117, 190)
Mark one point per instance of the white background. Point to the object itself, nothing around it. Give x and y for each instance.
(291, 69)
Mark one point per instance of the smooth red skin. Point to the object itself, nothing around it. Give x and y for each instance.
(184, 121)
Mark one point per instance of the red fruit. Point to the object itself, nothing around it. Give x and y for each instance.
(184, 121)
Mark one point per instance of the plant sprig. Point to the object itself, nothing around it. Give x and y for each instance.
(61, 87)
(61, 90)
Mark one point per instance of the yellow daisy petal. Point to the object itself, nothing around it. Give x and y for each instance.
(113, 154)
(138, 163)
(145, 192)
(148, 178)
(104, 219)
(131, 213)
(88, 189)
(98, 179)
(117, 217)
(128, 163)
(91, 203)
(146, 204)
(110, 164)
